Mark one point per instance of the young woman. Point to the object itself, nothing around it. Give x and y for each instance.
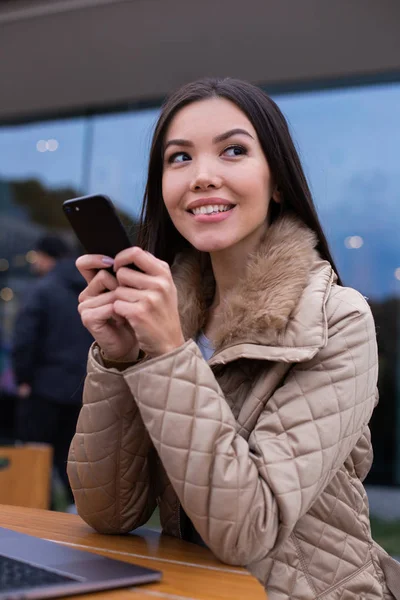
(233, 378)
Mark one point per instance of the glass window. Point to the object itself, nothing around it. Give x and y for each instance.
(349, 142)
(50, 152)
(41, 165)
(121, 145)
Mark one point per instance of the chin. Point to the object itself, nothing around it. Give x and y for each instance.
(209, 246)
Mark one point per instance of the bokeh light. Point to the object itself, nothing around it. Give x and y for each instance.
(52, 145)
(41, 146)
(6, 294)
(4, 264)
(31, 257)
(354, 242)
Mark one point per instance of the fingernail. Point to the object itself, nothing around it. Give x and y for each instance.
(107, 260)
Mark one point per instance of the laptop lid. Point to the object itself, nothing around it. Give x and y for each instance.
(35, 569)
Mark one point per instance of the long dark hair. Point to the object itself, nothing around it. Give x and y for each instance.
(157, 233)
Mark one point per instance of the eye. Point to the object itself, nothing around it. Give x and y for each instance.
(235, 150)
(179, 157)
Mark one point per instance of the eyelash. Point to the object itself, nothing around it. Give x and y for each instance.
(171, 159)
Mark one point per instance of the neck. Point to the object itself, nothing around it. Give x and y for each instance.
(261, 301)
(229, 265)
(227, 268)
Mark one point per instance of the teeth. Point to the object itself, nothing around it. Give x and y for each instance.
(208, 210)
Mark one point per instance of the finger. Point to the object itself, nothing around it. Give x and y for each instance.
(90, 302)
(133, 312)
(141, 281)
(144, 260)
(92, 317)
(132, 295)
(89, 264)
(95, 301)
(103, 281)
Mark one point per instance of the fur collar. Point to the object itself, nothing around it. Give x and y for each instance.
(260, 306)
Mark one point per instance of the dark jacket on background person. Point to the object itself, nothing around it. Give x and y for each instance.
(50, 343)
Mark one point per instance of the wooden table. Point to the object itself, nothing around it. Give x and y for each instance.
(190, 572)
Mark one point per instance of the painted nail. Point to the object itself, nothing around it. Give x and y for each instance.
(107, 260)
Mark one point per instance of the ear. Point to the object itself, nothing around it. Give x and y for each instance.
(276, 195)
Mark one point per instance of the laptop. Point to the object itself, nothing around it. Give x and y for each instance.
(35, 569)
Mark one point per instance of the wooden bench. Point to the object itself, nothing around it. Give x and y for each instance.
(25, 475)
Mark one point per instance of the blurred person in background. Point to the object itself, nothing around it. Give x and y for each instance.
(49, 353)
(7, 392)
(234, 377)
(49, 249)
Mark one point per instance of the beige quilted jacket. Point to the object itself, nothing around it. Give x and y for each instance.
(266, 446)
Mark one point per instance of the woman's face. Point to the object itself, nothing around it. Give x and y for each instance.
(216, 181)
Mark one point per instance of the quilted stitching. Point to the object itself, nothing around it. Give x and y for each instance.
(243, 499)
(295, 475)
(111, 448)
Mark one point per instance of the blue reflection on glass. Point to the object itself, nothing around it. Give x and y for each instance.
(349, 143)
(348, 140)
(121, 145)
(20, 158)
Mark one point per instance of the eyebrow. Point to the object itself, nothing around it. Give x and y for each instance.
(218, 138)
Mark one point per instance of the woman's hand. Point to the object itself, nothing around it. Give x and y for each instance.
(148, 301)
(112, 332)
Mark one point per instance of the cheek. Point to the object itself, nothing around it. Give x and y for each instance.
(262, 186)
(171, 190)
(252, 179)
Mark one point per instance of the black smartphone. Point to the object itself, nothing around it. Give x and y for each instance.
(97, 225)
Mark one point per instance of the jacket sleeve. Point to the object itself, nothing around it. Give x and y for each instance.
(244, 497)
(27, 337)
(110, 463)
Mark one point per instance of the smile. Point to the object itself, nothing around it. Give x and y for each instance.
(211, 209)
(212, 213)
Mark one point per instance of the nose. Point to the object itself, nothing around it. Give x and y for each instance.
(204, 178)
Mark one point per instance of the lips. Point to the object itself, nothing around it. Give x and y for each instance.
(205, 202)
